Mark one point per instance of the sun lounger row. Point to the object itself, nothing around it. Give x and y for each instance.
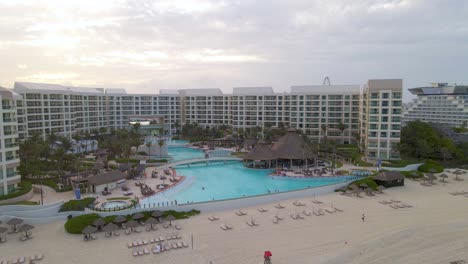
(279, 206)
(296, 216)
(226, 227)
(32, 259)
(252, 223)
(389, 202)
(213, 218)
(240, 213)
(153, 240)
(319, 212)
(277, 218)
(458, 193)
(398, 206)
(297, 203)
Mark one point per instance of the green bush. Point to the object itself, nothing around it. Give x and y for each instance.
(369, 181)
(124, 160)
(76, 224)
(77, 205)
(412, 174)
(398, 163)
(157, 160)
(23, 188)
(430, 165)
(22, 203)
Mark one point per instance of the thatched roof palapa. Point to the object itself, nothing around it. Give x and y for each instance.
(260, 152)
(292, 146)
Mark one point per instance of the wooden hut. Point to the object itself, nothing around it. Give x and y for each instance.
(389, 179)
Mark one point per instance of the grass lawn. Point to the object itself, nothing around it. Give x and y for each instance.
(22, 203)
(118, 198)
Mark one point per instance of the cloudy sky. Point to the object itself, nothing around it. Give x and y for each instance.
(148, 45)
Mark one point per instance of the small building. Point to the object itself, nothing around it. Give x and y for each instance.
(106, 181)
(389, 179)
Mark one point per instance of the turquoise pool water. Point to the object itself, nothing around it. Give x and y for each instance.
(232, 180)
(176, 142)
(181, 153)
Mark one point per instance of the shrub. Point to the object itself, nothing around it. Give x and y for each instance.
(76, 224)
(430, 165)
(369, 181)
(77, 205)
(157, 160)
(412, 174)
(23, 188)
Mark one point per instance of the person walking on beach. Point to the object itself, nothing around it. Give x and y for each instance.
(363, 217)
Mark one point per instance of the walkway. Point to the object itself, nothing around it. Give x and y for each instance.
(190, 161)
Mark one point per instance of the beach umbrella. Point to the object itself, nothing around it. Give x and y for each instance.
(110, 227)
(380, 188)
(170, 218)
(99, 222)
(151, 221)
(132, 224)
(157, 214)
(267, 254)
(119, 219)
(443, 176)
(25, 228)
(138, 216)
(457, 173)
(14, 222)
(89, 229)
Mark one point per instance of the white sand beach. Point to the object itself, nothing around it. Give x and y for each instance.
(434, 230)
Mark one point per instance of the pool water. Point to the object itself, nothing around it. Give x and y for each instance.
(182, 153)
(113, 204)
(232, 180)
(176, 142)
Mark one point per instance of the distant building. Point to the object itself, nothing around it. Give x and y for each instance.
(440, 103)
(9, 157)
(381, 118)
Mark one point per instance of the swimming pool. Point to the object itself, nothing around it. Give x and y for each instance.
(172, 142)
(113, 204)
(182, 153)
(232, 180)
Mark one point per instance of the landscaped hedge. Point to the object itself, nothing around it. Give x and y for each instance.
(24, 188)
(412, 174)
(77, 205)
(431, 165)
(76, 224)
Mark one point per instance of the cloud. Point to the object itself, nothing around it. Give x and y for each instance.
(146, 45)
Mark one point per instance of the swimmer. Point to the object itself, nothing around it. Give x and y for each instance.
(203, 188)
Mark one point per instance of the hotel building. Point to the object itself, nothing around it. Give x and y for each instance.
(9, 157)
(381, 107)
(439, 103)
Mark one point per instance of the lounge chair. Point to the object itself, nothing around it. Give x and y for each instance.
(14, 261)
(148, 228)
(407, 205)
(307, 213)
(213, 218)
(184, 244)
(165, 225)
(128, 232)
(116, 233)
(329, 211)
(141, 252)
(238, 213)
(161, 239)
(395, 201)
(135, 253)
(275, 220)
(316, 213)
(174, 246)
(294, 216)
(136, 230)
(249, 223)
(299, 216)
(338, 210)
(21, 260)
(393, 206)
(146, 251)
(279, 206)
(279, 217)
(255, 223)
(261, 210)
(129, 245)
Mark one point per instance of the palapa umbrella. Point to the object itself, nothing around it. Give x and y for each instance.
(88, 230)
(380, 188)
(138, 216)
(14, 222)
(364, 185)
(132, 224)
(110, 227)
(170, 218)
(25, 228)
(99, 223)
(119, 219)
(443, 176)
(151, 221)
(157, 214)
(457, 173)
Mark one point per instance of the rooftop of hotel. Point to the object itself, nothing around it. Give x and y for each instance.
(440, 89)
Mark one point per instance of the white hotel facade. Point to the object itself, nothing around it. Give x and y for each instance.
(370, 115)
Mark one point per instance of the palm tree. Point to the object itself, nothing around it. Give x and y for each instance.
(161, 144)
(324, 129)
(148, 145)
(177, 126)
(342, 127)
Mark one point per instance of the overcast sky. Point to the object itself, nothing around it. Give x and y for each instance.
(145, 46)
